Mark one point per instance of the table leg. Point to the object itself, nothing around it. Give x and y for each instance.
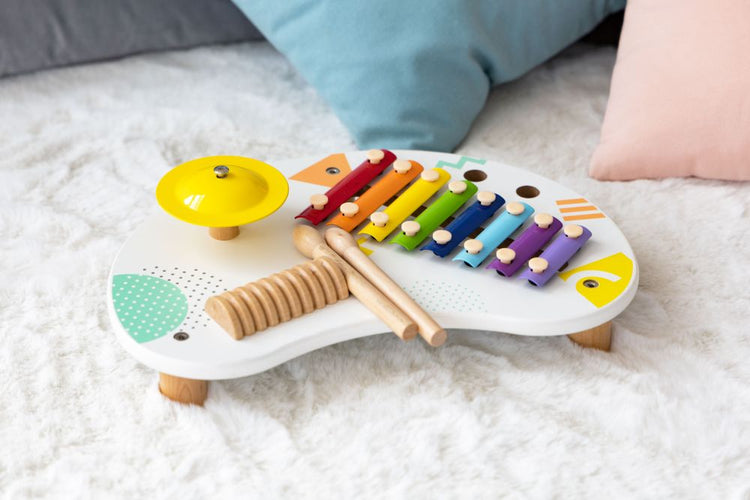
(599, 337)
(183, 390)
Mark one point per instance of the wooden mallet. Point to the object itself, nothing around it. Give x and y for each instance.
(343, 243)
(311, 244)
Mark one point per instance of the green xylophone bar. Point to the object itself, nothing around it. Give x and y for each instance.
(414, 232)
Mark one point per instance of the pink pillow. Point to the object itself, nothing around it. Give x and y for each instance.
(680, 98)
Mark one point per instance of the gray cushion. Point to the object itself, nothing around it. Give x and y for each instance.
(38, 34)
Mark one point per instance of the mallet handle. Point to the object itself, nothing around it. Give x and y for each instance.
(343, 243)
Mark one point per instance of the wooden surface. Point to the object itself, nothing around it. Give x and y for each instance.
(311, 244)
(183, 390)
(599, 337)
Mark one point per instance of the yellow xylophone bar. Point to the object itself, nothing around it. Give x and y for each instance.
(410, 200)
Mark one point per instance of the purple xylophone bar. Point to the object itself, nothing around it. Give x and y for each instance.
(560, 251)
(526, 245)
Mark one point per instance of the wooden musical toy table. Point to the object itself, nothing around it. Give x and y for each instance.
(161, 278)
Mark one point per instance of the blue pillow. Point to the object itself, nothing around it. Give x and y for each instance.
(414, 74)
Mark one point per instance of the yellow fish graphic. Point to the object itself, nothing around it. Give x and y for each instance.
(598, 289)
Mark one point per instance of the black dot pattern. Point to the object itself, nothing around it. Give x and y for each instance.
(446, 296)
(197, 285)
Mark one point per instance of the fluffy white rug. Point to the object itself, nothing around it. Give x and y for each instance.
(665, 414)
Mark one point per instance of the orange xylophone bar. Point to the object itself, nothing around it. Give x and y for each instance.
(404, 171)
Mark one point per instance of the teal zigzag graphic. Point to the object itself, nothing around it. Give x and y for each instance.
(460, 163)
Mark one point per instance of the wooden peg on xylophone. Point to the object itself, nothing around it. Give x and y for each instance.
(486, 198)
(505, 255)
(402, 166)
(375, 155)
(379, 219)
(514, 208)
(345, 245)
(543, 220)
(410, 227)
(441, 236)
(457, 187)
(556, 254)
(473, 246)
(538, 265)
(318, 201)
(349, 209)
(312, 245)
(431, 175)
(573, 231)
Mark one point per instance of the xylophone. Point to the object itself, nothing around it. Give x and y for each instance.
(479, 244)
(475, 227)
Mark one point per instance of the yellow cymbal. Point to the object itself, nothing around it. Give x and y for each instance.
(222, 191)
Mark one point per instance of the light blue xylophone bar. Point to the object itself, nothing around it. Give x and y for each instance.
(494, 234)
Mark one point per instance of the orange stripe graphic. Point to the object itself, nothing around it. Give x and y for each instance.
(570, 202)
(587, 208)
(584, 216)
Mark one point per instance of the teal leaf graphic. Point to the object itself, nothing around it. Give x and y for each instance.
(147, 307)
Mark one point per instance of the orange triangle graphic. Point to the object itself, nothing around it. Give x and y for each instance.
(326, 172)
